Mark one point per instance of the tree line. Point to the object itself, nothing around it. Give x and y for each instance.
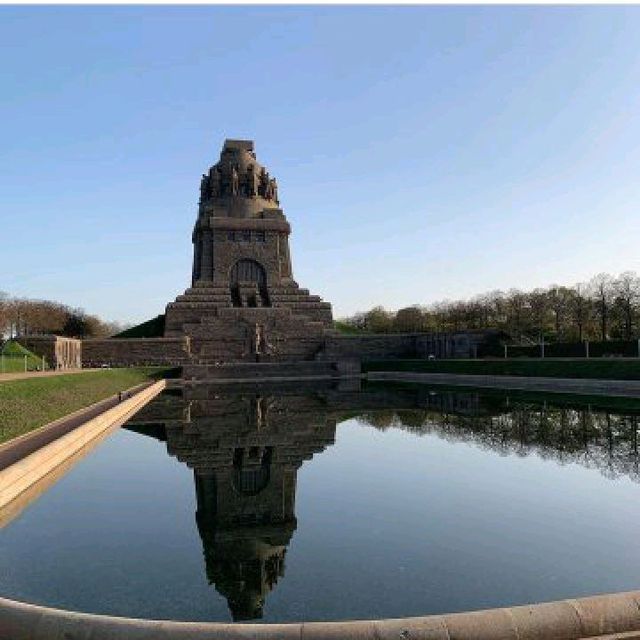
(604, 308)
(23, 316)
(595, 439)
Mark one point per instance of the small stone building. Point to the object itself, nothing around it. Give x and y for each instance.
(58, 352)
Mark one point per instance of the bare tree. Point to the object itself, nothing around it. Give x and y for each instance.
(4, 317)
(627, 294)
(408, 320)
(378, 320)
(517, 306)
(602, 292)
(539, 310)
(604, 307)
(559, 303)
(580, 306)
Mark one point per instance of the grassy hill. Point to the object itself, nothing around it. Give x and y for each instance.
(13, 358)
(153, 328)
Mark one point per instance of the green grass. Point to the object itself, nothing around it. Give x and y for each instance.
(153, 328)
(603, 368)
(13, 358)
(343, 327)
(30, 403)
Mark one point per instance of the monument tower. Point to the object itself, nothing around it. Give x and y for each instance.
(243, 303)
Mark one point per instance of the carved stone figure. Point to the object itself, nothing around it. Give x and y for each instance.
(252, 181)
(214, 183)
(254, 340)
(235, 181)
(264, 183)
(258, 339)
(274, 190)
(204, 188)
(268, 190)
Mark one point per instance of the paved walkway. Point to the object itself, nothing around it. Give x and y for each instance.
(6, 377)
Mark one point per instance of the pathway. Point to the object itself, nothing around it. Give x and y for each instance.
(6, 377)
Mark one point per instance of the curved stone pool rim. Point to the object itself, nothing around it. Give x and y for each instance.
(610, 616)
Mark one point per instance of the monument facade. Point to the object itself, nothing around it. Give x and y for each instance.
(243, 303)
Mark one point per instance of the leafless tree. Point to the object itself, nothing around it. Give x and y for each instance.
(605, 307)
(627, 294)
(602, 291)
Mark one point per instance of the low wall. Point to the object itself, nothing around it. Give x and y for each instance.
(608, 617)
(388, 346)
(623, 388)
(20, 476)
(126, 352)
(370, 347)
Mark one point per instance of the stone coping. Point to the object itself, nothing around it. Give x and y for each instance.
(591, 386)
(21, 446)
(33, 465)
(610, 616)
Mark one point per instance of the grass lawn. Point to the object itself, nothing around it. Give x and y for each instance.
(603, 368)
(31, 403)
(13, 358)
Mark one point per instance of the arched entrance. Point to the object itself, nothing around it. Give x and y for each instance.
(248, 282)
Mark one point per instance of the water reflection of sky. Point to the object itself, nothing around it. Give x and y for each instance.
(409, 512)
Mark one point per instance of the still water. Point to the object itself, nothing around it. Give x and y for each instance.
(319, 504)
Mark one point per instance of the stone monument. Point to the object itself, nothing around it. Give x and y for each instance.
(243, 303)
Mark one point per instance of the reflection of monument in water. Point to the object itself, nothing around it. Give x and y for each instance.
(245, 452)
(246, 446)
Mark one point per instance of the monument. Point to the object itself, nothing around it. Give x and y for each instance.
(244, 315)
(243, 303)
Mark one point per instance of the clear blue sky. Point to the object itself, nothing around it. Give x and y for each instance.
(422, 153)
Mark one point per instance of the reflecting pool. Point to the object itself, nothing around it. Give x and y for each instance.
(320, 503)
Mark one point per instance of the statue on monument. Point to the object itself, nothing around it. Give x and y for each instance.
(264, 183)
(235, 181)
(252, 181)
(257, 343)
(274, 190)
(214, 182)
(258, 339)
(204, 188)
(268, 190)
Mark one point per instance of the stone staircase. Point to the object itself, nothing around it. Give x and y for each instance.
(215, 300)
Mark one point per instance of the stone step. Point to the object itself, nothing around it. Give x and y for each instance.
(215, 300)
(294, 299)
(303, 304)
(259, 370)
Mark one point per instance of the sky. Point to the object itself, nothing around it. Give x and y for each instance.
(422, 153)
